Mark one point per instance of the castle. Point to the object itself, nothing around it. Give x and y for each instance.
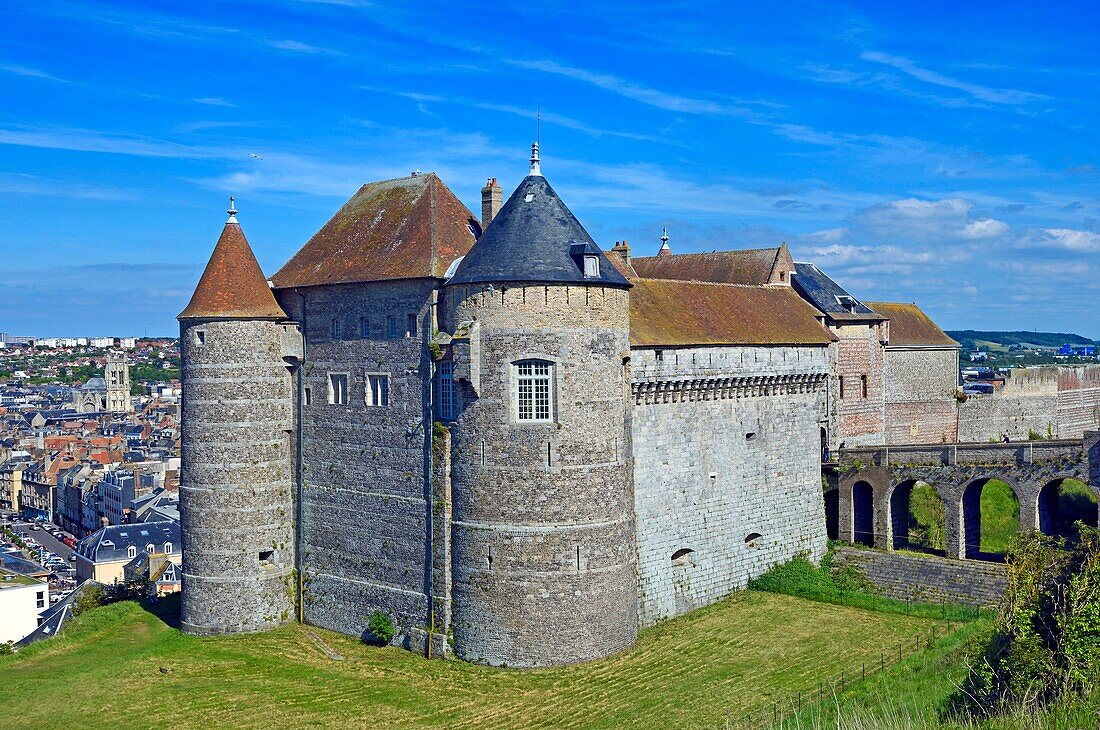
(518, 446)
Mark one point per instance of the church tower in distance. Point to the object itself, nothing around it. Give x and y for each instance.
(236, 481)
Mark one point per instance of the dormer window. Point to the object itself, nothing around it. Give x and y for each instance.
(587, 258)
(131, 552)
(591, 267)
(848, 302)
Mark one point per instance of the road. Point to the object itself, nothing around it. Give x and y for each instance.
(44, 539)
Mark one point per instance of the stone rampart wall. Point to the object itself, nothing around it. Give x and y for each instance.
(928, 579)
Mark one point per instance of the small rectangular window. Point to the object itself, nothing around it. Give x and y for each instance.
(863, 384)
(308, 396)
(446, 395)
(591, 266)
(40, 599)
(334, 329)
(378, 390)
(841, 386)
(410, 325)
(364, 328)
(267, 557)
(391, 327)
(200, 337)
(338, 389)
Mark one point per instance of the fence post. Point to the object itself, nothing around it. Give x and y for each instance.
(800, 702)
(882, 661)
(864, 677)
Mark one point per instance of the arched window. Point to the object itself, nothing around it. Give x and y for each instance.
(167, 548)
(150, 548)
(131, 552)
(751, 538)
(682, 556)
(532, 390)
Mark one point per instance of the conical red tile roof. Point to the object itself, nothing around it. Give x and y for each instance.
(233, 285)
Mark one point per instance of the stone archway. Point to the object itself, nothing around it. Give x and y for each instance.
(1062, 502)
(918, 517)
(832, 513)
(863, 513)
(990, 518)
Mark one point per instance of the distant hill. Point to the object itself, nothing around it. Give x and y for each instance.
(993, 339)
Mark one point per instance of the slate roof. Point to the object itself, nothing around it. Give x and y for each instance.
(532, 239)
(95, 384)
(683, 313)
(910, 326)
(233, 286)
(408, 228)
(112, 543)
(750, 266)
(818, 289)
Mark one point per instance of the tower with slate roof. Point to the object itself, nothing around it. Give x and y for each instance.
(543, 532)
(236, 481)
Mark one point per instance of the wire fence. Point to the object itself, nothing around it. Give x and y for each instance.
(793, 704)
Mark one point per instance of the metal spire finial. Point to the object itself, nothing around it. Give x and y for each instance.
(664, 243)
(232, 211)
(535, 160)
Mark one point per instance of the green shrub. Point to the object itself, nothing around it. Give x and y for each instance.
(90, 597)
(1045, 644)
(381, 627)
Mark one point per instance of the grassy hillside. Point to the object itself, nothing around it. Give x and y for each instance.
(994, 339)
(123, 666)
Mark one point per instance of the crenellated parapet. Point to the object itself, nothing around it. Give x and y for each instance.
(650, 392)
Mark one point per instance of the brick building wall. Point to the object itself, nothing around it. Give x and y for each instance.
(1078, 400)
(920, 387)
(365, 498)
(726, 469)
(857, 408)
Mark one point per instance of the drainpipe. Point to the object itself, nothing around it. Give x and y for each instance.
(298, 468)
(429, 463)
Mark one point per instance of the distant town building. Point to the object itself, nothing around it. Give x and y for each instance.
(103, 555)
(21, 600)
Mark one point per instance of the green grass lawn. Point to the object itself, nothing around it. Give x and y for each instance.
(1000, 517)
(722, 661)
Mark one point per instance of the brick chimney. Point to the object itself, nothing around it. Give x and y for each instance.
(492, 197)
(622, 248)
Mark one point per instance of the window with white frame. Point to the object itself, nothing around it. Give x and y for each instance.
(167, 548)
(334, 329)
(446, 396)
(150, 548)
(532, 390)
(131, 552)
(338, 389)
(378, 389)
(591, 266)
(40, 599)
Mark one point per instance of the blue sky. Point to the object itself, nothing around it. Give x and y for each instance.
(939, 153)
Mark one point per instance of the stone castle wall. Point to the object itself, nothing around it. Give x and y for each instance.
(726, 470)
(365, 505)
(928, 579)
(1027, 402)
(237, 477)
(543, 532)
(921, 407)
(1078, 400)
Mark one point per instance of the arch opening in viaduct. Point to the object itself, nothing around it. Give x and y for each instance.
(990, 518)
(863, 513)
(918, 518)
(1064, 502)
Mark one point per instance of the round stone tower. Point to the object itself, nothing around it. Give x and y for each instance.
(236, 479)
(543, 536)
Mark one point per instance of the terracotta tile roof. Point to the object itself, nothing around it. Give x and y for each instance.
(681, 313)
(408, 228)
(910, 326)
(751, 266)
(233, 286)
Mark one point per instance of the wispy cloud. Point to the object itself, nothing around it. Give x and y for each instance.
(32, 73)
(82, 140)
(638, 92)
(300, 47)
(984, 93)
(215, 101)
(33, 185)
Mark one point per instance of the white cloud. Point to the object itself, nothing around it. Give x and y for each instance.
(29, 72)
(1070, 239)
(214, 101)
(983, 93)
(299, 47)
(984, 228)
(929, 220)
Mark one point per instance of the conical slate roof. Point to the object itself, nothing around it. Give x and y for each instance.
(535, 238)
(233, 286)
